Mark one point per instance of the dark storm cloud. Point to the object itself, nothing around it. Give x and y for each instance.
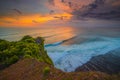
(102, 9)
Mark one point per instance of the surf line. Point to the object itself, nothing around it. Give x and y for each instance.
(59, 43)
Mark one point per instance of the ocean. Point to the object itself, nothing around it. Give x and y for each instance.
(70, 47)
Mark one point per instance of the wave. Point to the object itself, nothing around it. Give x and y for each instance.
(22, 33)
(59, 43)
(8, 34)
(68, 58)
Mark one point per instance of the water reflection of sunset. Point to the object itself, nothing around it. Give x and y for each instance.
(60, 34)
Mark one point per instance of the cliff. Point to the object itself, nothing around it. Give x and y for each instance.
(27, 60)
(108, 63)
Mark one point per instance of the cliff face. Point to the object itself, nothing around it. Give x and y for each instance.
(31, 69)
(33, 63)
(108, 63)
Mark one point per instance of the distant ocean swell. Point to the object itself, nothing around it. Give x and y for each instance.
(59, 43)
(69, 57)
(13, 36)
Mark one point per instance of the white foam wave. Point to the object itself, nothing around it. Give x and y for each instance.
(68, 58)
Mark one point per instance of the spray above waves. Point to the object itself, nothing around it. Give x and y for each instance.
(68, 58)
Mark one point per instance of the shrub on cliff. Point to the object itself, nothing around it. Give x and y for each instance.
(10, 52)
(46, 71)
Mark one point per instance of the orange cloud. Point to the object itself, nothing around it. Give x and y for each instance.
(62, 6)
(30, 20)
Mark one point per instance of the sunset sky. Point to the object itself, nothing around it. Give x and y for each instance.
(26, 13)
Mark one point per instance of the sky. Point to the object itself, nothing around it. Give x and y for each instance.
(29, 13)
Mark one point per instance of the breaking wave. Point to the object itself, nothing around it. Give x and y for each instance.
(69, 57)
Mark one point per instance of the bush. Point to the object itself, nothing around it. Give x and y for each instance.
(10, 52)
(4, 45)
(11, 60)
(46, 71)
(27, 56)
(26, 37)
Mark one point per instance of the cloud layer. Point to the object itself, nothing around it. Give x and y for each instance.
(103, 9)
(100, 9)
(28, 12)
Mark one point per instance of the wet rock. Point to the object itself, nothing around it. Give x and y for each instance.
(108, 63)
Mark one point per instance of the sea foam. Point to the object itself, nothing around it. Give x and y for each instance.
(68, 58)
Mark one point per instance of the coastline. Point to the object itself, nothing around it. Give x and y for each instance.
(40, 67)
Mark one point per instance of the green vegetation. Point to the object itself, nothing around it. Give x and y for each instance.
(28, 47)
(46, 71)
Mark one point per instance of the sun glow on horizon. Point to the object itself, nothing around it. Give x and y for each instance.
(32, 20)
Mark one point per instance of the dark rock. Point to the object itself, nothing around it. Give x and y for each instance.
(108, 63)
(38, 40)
